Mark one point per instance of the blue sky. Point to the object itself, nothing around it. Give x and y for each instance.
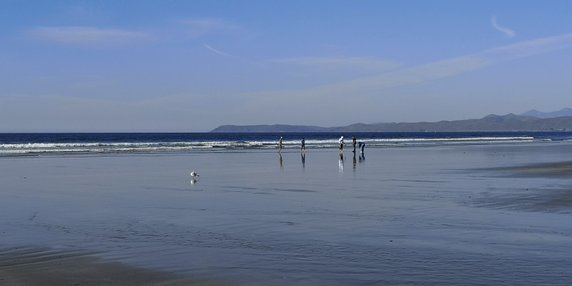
(194, 65)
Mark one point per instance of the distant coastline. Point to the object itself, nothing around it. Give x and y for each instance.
(490, 123)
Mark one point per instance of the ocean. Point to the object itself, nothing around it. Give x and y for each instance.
(64, 143)
(412, 209)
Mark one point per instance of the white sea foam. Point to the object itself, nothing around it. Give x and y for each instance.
(129, 147)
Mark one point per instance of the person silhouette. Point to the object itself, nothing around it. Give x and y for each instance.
(303, 148)
(354, 142)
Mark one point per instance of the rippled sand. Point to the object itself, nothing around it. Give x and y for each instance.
(42, 266)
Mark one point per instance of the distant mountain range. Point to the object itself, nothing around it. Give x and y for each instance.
(530, 121)
(540, 114)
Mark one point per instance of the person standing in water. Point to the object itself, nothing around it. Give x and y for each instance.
(354, 142)
(341, 141)
(303, 148)
(280, 144)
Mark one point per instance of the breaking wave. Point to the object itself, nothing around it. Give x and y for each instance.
(7, 149)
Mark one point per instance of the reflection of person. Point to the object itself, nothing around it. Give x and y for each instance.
(280, 144)
(341, 163)
(341, 141)
(361, 146)
(354, 142)
(280, 159)
(303, 144)
(303, 160)
(354, 161)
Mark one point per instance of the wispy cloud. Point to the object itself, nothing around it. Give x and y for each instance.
(455, 66)
(369, 96)
(506, 31)
(339, 62)
(218, 52)
(437, 70)
(204, 26)
(78, 35)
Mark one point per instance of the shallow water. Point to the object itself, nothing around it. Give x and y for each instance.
(438, 215)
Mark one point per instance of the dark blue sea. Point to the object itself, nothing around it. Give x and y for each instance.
(13, 144)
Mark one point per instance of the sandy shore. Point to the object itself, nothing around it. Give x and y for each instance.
(403, 216)
(42, 266)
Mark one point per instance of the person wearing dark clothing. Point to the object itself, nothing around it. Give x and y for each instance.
(354, 142)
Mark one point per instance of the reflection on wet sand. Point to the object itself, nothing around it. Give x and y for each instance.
(551, 198)
(558, 169)
(354, 161)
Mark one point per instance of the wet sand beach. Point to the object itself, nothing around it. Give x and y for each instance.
(552, 197)
(555, 169)
(442, 215)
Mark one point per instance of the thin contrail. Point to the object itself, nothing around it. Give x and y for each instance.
(507, 31)
(220, 53)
